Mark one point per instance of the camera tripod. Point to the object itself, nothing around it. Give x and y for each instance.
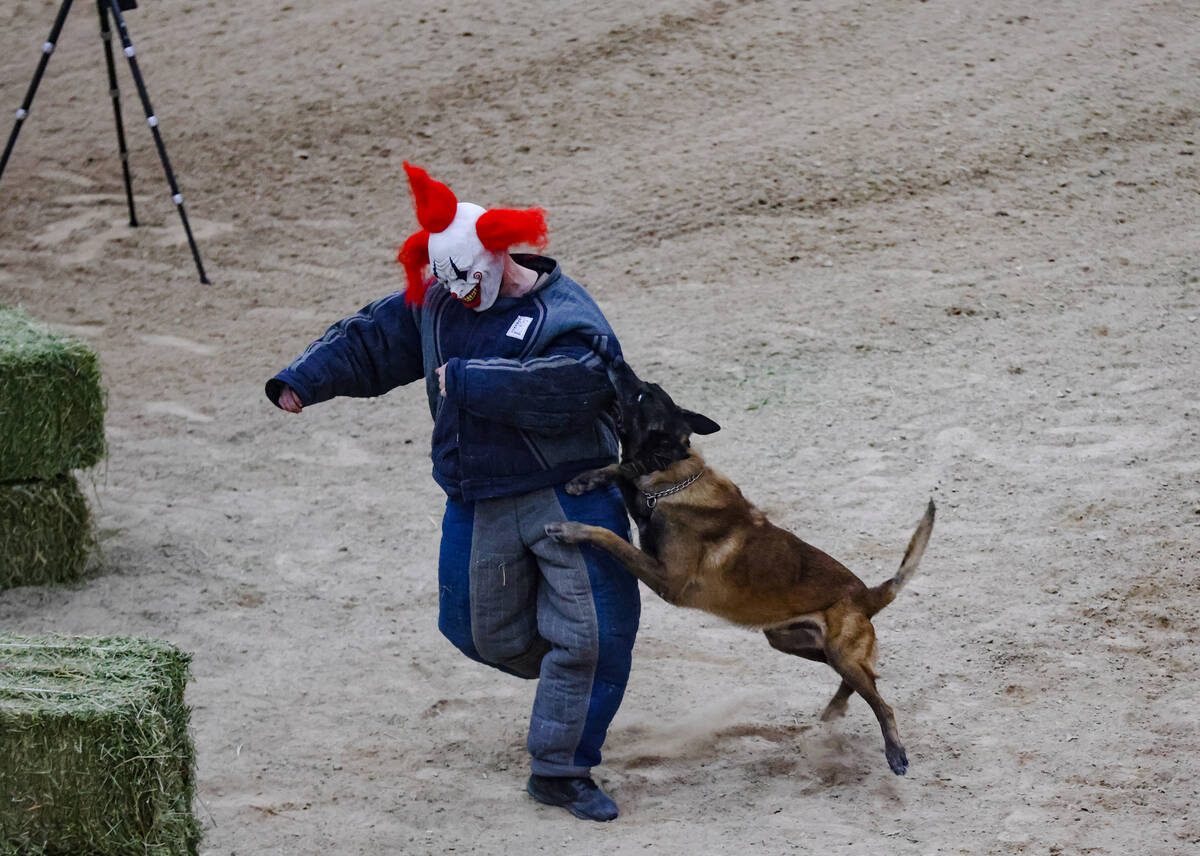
(110, 9)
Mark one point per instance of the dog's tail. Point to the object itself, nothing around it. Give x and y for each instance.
(884, 593)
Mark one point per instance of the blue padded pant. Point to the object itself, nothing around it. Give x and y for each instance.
(513, 598)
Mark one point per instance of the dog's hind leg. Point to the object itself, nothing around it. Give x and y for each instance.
(851, 652)
(862, 681)
(803, 638)
(806, 638)
(642, 565)
(837, 704)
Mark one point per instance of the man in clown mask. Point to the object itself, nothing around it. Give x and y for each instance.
(513, 355)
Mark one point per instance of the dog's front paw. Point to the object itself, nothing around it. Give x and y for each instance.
(588, 481)
(565, 533)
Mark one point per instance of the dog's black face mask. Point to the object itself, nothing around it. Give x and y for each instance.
(654, 430)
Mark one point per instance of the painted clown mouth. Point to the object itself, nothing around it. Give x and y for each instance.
(471, 298)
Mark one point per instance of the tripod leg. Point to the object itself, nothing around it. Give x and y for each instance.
(115, 92)
(23, 111)
(152, 120)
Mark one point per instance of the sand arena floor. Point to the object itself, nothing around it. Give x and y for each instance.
(897, 249)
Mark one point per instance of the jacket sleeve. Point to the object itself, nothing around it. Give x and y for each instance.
(367, 354)
(563, 389)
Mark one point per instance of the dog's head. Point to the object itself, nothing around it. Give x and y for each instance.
(654, 430)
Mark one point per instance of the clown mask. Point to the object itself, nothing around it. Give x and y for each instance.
(465, 246)
(460, 262)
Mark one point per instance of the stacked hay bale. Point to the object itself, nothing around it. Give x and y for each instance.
(95, 752)
(51, 423)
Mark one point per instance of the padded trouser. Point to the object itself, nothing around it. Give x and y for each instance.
(513, 598)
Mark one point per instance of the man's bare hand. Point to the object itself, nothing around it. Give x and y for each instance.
(441, 373)
(289, 401)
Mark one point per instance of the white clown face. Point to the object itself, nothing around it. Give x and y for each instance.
(462, 264)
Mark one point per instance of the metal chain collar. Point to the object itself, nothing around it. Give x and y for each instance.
(653, 498)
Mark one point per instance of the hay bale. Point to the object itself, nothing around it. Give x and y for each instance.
(95, 753)
(45, 532)
(51, 402)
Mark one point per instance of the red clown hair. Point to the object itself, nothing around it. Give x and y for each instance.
(414, 256)
(436, 203)
(436, 206)
(500, 228)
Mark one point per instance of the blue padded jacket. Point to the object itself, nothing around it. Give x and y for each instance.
(527, 395)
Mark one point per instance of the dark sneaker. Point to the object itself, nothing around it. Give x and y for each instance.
(578, 795)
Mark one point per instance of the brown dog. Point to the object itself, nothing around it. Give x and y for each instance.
(703, 545)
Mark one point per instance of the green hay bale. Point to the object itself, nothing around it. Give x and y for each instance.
(51, 403)
(45, 532)
(95, 753)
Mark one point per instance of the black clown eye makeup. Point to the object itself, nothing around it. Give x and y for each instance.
(458, 273)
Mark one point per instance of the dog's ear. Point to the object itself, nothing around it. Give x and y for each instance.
(699, 423)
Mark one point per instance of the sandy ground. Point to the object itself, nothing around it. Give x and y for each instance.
(897, 249)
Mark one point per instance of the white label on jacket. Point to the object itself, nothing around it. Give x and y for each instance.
(519, 327)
